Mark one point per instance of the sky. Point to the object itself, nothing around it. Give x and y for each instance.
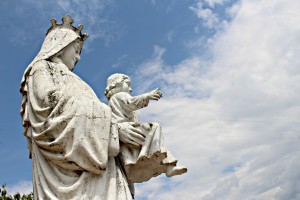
(228, 69)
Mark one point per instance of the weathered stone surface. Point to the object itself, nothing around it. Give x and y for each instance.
(141, 163)
(78, 146)
(68, 128)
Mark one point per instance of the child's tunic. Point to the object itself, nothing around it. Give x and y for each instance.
(150, 160)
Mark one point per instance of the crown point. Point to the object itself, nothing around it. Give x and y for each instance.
(53, 22)
(67, 21)
(84, 36)
(79, 28)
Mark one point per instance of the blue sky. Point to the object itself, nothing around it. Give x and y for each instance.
(229, 71)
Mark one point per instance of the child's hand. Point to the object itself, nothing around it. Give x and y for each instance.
(155, 94)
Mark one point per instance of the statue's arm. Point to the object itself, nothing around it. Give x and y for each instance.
(114, 144)
(128, 134)
(43, 87)
(132, 103)
(154, 94)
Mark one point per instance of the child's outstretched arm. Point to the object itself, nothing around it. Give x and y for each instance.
(132, 103)
(141, 101)
(154, 94)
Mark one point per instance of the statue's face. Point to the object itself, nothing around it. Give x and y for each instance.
(71, 54)
(126, 86)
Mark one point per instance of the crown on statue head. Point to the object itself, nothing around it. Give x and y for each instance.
(67, 23)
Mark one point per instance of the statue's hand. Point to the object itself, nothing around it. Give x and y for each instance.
(155, 94)
(130, 135)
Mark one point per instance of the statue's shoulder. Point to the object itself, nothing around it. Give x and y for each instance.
(121, 96)
(40, 65)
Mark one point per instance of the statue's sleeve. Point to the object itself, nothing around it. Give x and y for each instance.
(132, 103)
(114, 143)
(42, 87)
(39, 88)
(69, 125)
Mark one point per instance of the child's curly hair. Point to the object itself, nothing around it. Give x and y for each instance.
(114, 84)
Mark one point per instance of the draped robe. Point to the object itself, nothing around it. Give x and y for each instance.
(69, 131)
(152, 158)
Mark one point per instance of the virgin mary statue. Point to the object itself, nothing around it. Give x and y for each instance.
(72, 140)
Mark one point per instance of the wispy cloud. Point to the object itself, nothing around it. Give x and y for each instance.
(210, 16)
(233, 119)
(151, 70)
(167, 6)
(212, 3)
(94, 15)
(170, 36)
(22, 187)
(120, 61)
(210, 19)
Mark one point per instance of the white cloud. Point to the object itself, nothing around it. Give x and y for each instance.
(170, 36)
(120, 61)
(23, 187)
(210, 19)
(93, 15)
(233, 120)
(212, 3)
(210, 16)
(233, 10)
(150, 70)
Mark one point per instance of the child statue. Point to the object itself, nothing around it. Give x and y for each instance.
(152, 158)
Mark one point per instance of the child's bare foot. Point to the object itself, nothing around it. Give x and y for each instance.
(174, 170)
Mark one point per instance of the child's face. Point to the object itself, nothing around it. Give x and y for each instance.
(126, 86)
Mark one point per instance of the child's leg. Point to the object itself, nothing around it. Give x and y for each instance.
(173, 170)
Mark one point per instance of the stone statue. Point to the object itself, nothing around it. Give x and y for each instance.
(140, 163)
(72, 138)
(80, 149)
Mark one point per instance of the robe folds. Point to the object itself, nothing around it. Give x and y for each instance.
(152, 158)
(69, 132)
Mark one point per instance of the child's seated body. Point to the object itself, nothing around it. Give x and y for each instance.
(152, 158)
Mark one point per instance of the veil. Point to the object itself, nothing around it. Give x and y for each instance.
(54, 42)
